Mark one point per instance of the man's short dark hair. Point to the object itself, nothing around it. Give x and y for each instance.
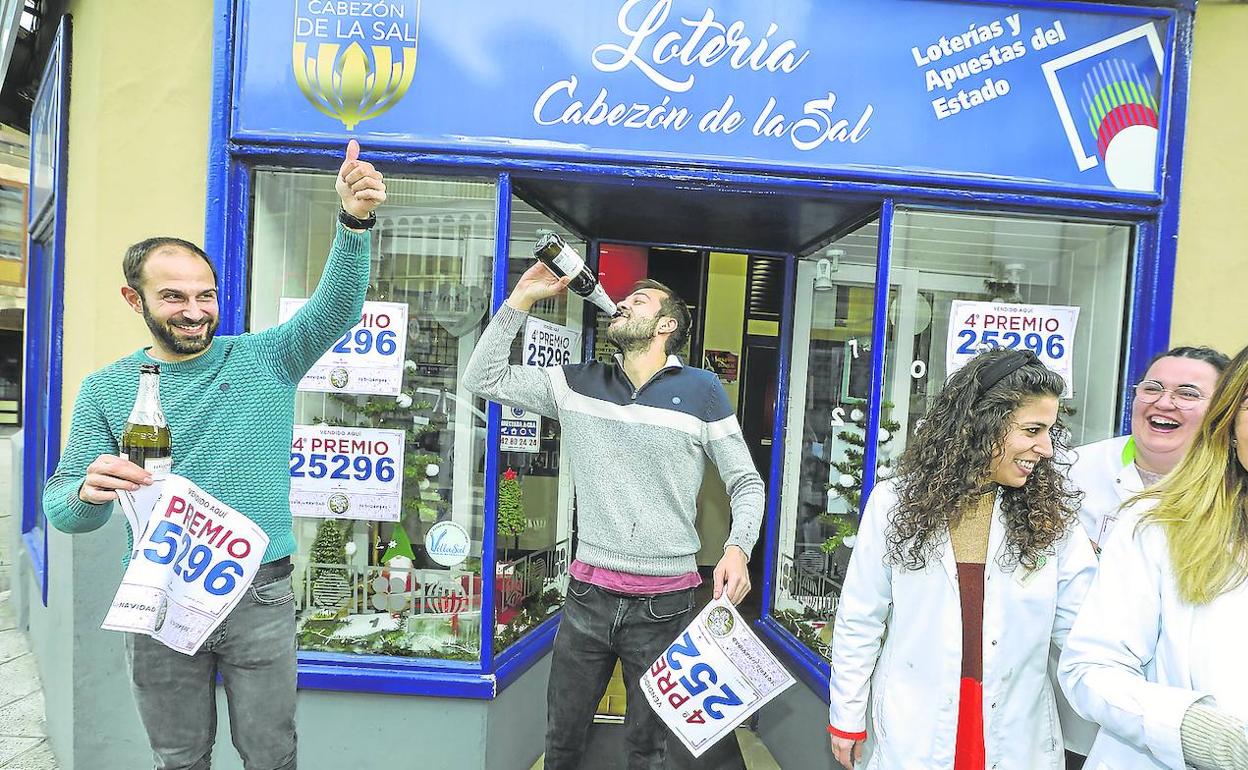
(136, 256)
(1215, 358)
(672, 306)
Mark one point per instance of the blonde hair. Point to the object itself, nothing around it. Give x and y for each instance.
(1203, 504)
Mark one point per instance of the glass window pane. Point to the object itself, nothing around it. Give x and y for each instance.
(940, 257)
(829, 382)
(360, 587)
(535, 490)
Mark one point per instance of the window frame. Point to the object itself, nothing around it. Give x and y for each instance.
(45, 278)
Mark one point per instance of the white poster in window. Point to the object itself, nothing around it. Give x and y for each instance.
(521, 431)
(547, 344)
(1046, 330)
(712, 678)
(367, 360)
(346, 473)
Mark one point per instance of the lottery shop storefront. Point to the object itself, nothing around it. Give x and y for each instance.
(853, 198)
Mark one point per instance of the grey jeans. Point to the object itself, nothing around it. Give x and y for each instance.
(254, 651)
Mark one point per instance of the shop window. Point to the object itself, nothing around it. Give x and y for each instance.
(823, 464)
(374, 585)
(534, 487)
(939, 258)
(1046, 266)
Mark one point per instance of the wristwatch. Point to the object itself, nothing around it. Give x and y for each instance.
(355, 222)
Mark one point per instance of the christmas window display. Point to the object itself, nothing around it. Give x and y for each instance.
(381, 584)
(828, 409)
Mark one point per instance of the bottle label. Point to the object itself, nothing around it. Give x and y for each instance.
(158, 466)
(569, 261)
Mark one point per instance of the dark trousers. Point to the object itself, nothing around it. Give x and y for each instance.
(599, 627)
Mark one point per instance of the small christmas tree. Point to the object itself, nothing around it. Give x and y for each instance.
(329, 583)
(847, 473)
(511, 520)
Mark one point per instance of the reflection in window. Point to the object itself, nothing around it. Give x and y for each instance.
(371, 587)
(941, 257)
(12, 222)
(823, 473)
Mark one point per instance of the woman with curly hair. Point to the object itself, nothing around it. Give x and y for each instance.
(964, 571)
(1157, 655)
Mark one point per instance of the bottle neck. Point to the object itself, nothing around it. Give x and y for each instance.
(147, 409)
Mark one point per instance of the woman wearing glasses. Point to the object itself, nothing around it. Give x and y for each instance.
(1167, 405)
(1156, 656)
(968, 564)
(1166, 408)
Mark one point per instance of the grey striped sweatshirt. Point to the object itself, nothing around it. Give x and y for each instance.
(637, 455)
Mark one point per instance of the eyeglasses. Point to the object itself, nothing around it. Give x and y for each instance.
(1183, 397)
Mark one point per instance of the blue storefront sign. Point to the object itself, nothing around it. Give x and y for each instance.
(1048, 95)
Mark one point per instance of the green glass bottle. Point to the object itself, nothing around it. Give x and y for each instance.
(146, 441)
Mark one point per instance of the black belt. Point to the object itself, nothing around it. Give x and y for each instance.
(273, 570)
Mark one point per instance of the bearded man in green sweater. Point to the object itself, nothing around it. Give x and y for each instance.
(229, 402)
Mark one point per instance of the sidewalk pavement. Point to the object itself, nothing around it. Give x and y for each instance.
(23, 739)
(23, 734)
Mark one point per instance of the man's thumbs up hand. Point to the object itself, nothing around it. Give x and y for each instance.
(359, 185)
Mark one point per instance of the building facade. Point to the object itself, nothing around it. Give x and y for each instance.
(852, 197)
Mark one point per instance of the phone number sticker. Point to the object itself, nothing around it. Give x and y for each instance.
(1046, 330)
(367, 360)
(346, 473)
(521, 431)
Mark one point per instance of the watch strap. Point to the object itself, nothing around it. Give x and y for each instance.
(354, 222)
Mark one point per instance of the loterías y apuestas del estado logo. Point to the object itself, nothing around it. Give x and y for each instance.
(355, 59)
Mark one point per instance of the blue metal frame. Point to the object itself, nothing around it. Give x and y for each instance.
(493, 430)
(45, 329)
(1158, 242)
(233, 156)
(879, 331)
(219, 163)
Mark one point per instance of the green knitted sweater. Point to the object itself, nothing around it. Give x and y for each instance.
(230, 410)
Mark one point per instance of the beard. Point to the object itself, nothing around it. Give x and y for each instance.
(181, 344)
(633, 334)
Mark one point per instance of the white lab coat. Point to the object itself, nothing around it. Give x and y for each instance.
(897, 650)
(1105, 474)
(1107, 480)
(1129, 661)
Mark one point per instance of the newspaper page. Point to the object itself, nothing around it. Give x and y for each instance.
(713, 677)
(191, 563)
